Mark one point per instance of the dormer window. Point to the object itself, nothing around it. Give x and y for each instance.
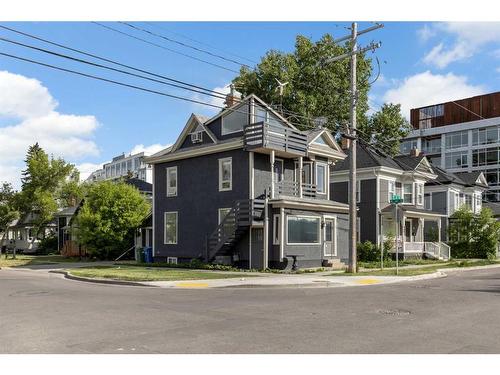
(197, 137)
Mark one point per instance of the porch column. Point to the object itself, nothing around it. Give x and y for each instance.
(403, 233)
(439, 229)
(299, 177)
(282, 232)
(272, 174)
(421, 223)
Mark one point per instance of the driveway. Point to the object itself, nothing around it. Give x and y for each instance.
(44, 313)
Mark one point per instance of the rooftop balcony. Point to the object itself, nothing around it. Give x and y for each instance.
(264, 137)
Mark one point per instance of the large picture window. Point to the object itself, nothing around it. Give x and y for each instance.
(235, 120)
(171, 181)
(303, 230)
(170, 228)
(225, 174)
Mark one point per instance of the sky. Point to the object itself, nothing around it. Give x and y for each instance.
(87, 122)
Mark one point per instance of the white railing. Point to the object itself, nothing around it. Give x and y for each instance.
(414, 247)
(445, 251)
(432, 249)
(436, 250)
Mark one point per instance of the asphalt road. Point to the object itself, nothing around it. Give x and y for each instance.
(43, 313)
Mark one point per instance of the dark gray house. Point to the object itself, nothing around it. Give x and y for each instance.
(379, 178)
(247, 188)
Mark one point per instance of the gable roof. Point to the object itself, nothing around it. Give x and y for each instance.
(192, 123)
(474, 178)
(314, 134)
(367, 157)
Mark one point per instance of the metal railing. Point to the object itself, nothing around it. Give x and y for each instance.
(265, 135)
(241, 215)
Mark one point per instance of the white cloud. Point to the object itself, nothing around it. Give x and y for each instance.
(425, 33)
(469, 38)
(218, 102)
(426, 88)
(148, 150)
(86, 169)
(30, 114)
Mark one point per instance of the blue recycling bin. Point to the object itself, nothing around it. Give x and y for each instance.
(148, 254)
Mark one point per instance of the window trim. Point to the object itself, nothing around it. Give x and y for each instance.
(176, 181)
(419, 194)
(171, 260)
(304, 243)
(389, 191)
(221, 162)
(219, 213)
(279, 160)
(176, 228)
(412, 192)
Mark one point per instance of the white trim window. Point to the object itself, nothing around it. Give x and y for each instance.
(172, 260)
(408, 193)
(171, 228)
(279, 169)
(303, 230)
(391, 189)
(276, 229)
(420, 194)
(225, 174)
(171, 181)
(321, 177)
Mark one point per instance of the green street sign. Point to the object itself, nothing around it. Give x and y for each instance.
(396, 199)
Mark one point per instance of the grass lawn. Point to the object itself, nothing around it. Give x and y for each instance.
(151, 273)
(30, 260)
(407, 262)
(420, 270)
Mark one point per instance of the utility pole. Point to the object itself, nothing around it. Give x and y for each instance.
(353, 217)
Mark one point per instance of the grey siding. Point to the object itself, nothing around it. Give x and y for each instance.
(197, 201)
(368, 211)
(384, 193)
(339, 192)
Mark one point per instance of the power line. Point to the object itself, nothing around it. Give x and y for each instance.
(183, 44)
(110, 61)
(105, 67)
(154, 24)
(163, 47)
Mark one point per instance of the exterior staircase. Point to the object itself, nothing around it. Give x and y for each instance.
(233, 227)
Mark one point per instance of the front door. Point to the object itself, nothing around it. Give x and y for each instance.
(329, 243)
(257, 248)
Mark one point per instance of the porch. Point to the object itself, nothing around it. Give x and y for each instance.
(419, 232)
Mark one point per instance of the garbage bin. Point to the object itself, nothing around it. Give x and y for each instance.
(139, 255)
(148, 255)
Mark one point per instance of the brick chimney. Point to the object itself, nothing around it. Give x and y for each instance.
(415, 152)
(233, 97)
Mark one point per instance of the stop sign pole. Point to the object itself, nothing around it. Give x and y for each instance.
(395, 200)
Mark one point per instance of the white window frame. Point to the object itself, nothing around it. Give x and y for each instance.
(197, 136)
(282, 162)
(325, 184)
(221, 182)
(296, 172)
(176, 228)
(391, 192)
(304, 243)
(220, 210)
(420, 194)
(276, 229)
(172, 260)
(174, 193)
(412, 192)
(334, 239)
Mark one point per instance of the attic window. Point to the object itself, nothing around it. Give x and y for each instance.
(320, 140)
(197, 137)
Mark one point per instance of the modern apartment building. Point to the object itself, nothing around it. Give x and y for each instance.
(122, 166)
(460, 136)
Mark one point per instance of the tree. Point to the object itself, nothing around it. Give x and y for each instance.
(474, 236)
(314, 89)
(110, 213)
(42, 181)
(385, 128)
(8, 212)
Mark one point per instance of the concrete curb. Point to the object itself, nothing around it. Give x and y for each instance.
(455, 269)
(68, 276)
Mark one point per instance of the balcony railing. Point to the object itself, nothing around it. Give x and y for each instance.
(262, 135)
(294, 189)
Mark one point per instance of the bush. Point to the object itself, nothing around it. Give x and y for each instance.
(47, 245)
(368, 252)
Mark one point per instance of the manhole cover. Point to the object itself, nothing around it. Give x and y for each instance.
(394, 312)
(29, 293)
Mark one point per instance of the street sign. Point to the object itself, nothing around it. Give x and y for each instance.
(396, 199)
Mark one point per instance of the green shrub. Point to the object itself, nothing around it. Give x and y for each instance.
(47, 245)
(368, 252)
